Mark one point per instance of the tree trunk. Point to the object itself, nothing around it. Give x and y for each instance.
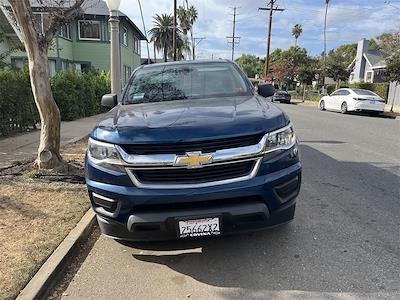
(36, 49)
(165, 54)
(337, 83)
(49, 146)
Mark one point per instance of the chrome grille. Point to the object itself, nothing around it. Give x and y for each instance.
(197, 175)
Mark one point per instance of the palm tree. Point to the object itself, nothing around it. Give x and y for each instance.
(162, 32)
(187, 16)
(182, 47)
(326, 14)
(296, 32)
(162, 36)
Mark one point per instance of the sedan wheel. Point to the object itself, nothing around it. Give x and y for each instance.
(343, 108)
(322, 105)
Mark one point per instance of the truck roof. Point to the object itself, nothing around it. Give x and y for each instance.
(186, 62)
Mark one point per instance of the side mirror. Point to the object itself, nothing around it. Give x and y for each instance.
(109, 100)
(266, 89)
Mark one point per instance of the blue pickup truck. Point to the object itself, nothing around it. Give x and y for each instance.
(191, 149)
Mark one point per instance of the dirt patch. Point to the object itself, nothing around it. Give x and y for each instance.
(38, 209)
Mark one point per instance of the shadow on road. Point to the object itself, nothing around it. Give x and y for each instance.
(345, 237)
(322, 142)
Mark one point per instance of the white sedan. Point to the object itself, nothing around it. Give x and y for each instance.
(346, 100)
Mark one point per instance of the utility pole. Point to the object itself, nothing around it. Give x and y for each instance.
(234, 39)
(174, 32)
(271, 10)
(196, 41)
(324, 70)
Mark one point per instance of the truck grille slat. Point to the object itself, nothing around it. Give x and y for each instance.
(205, 174)
(182, 148)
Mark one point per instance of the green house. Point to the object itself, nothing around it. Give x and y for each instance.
(82, 44)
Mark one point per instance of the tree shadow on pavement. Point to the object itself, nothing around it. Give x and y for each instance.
(345, 238)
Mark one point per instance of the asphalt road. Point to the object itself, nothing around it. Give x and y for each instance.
(343, 244)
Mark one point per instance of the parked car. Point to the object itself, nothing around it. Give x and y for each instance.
(281, 96)
(191, 150)
(347, 100)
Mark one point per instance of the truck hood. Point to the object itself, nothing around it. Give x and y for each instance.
(189, 120)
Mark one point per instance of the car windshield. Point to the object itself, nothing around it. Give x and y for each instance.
(364, 92)
(185, 81)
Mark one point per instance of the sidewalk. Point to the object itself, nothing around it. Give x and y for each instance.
(25, 146)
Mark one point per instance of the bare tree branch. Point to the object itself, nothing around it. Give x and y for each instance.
(60, 15)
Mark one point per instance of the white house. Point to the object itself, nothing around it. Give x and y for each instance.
(368, 65)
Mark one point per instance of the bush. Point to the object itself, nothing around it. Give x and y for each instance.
(17, 107)
(330, 88)
(79, 96)
(76, 95)
(381, 89)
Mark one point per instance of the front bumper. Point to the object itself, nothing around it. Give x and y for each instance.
(149, 214)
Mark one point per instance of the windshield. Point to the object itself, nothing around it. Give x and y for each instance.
(186, 81)
(364, 92)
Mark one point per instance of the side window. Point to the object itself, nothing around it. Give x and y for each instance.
(125, 36)
(345, 93)
(336, 93)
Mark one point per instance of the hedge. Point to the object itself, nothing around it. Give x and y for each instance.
(76, 95)
(17, 107)
(382, 89)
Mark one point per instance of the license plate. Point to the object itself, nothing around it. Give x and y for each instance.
(372, 102)
(199, 227)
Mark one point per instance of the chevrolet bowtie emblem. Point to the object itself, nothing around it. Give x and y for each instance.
(193, 159)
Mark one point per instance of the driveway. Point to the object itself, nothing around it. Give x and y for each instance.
(343, 244)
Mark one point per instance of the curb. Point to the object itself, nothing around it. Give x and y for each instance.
(43, 280)
(74, 140)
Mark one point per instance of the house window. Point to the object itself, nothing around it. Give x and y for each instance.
(368, 78)
(127, 73)
(125, 36)
(78, 68)
(18, 62)
(52, 67)
(136, 45)
(89, 30)
(64, 65)
(65, 31)
(41, 21)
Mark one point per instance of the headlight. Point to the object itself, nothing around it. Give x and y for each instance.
(105, 155)
(280, 139)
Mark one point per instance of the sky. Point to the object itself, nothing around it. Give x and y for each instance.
(348, 22)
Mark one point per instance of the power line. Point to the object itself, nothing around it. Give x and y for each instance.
(196, 42)
(234, 39)
(271, 9)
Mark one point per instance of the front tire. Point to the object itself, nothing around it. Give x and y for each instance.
(322, 105)
(343, 108)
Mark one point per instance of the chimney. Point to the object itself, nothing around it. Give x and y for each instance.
(359, 68)
(362, 47)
